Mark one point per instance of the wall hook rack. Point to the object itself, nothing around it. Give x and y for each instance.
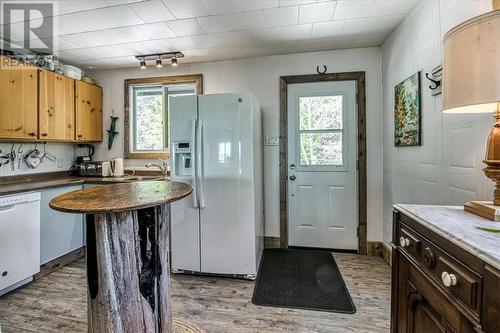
(435, 77)
(323, 71)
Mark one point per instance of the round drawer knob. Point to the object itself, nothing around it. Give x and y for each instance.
(449, 279)
(404, 242)
(429, 258)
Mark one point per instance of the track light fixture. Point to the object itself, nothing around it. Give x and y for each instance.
(158, 57)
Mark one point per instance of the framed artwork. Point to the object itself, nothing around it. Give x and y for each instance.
(407, 113)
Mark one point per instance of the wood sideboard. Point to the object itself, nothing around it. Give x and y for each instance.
(439, 285)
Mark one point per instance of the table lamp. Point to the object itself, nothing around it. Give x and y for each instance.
(471, 84)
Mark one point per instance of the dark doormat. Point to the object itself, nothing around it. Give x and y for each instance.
(301, 279)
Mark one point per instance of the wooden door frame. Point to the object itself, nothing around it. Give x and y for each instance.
(359, 78)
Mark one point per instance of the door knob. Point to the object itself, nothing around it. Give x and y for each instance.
(292, 178)
(292, 166)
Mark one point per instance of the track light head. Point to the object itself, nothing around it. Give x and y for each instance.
(174, 62)
(143, 64)
(159, 63)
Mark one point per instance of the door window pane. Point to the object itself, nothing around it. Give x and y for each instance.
(320, 112)
(321, 148)
(148, 119)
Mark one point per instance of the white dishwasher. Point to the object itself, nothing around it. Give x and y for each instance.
(19, 239)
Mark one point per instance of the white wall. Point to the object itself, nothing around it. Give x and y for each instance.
(260, 76)
(446, 169)
(64, 152)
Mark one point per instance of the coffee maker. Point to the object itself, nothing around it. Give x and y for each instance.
(84, 166)
(84, 153)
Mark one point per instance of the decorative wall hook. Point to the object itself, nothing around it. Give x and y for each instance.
(435, 77)
(321, 72)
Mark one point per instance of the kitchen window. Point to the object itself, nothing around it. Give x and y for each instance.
(147, 113)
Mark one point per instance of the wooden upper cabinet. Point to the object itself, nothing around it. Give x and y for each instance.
(56, 107)
(18, 100)
(88, 112)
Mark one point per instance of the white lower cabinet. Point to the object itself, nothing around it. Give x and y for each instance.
(60, 233)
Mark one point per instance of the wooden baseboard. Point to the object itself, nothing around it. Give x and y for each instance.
(380, 249)
(62, 261)
(271, 242)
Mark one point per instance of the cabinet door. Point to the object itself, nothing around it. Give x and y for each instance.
(422, 308)
(60, 233)
(18, 100)
(88, 112)
(57, 107)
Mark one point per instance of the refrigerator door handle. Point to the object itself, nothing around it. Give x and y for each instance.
(199, 158)
(194, 164)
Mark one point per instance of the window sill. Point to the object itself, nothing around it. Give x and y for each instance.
(148, 155)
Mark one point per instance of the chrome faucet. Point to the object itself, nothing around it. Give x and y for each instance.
(162, 165)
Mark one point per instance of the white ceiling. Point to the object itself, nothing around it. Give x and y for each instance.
(108, 33)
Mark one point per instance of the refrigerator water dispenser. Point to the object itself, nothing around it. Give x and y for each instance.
(183, 161)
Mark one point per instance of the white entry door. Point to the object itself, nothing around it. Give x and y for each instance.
(322, 158)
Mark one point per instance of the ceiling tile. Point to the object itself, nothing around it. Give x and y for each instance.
(247, 20)
(104, 18)
(186, 8)
(372, 24)
(255, 51)
(296, 32)
(152, 11)
(266, 35)
(391, 7)
(317, 12)
(186, 27)
(218, 23)
(156, 46)
(72, 23)
(72, 6)
(327, 29)
(183, 43)
(347, 9)
(287, 3)
(120, 50)
(156, 30)
(236, 37)
(80, 40)
(209, 40)
(216, 7)
(250, 5)
(281, 16)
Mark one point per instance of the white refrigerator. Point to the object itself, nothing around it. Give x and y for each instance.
(216, 145)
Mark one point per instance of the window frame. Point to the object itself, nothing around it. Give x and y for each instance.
(129, 153)
(344, 167)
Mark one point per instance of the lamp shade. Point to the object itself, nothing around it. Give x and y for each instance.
(471, 65)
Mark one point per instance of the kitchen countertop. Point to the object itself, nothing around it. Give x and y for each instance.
(459, 227)
(35, 182)
(120, 197)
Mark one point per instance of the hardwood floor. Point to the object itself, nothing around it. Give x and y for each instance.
(57, 303)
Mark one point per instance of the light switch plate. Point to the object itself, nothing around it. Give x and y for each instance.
(272, 141)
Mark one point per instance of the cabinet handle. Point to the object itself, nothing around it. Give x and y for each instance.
(44, 134)
(32, 134)
(79, 135)
(4, 273)
(449, 279)
(404, 242)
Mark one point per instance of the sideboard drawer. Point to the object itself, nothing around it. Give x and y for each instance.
(462, 283)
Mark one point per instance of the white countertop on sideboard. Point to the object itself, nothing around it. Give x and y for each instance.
(459, 227)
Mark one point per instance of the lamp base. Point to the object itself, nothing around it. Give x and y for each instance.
(484, 209)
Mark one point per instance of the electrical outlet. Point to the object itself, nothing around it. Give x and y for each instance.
(272, 141)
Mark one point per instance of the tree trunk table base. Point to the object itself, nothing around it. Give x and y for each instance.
(128, 271)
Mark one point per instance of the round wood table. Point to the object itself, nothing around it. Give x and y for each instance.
(127, 253)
